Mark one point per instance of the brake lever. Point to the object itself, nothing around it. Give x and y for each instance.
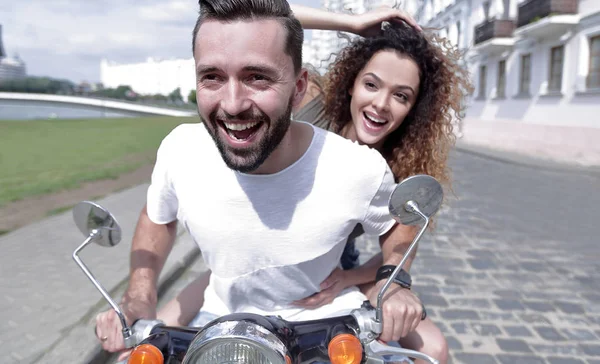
(375, 350)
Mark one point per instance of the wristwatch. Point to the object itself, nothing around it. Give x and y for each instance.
(403, 278)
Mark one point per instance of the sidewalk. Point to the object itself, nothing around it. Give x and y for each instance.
(47, 305)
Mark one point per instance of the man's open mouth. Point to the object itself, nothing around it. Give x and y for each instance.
(241, 132)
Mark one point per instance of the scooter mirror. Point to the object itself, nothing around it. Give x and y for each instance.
(423, 190)
(90, 217)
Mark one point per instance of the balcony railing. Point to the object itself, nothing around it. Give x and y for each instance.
(494, 28)
(534, 10)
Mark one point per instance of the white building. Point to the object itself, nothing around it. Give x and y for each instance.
(321, 49)
(536, 69)
(10, 67)
(155, 76)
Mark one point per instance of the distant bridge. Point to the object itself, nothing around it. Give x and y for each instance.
(97, 104)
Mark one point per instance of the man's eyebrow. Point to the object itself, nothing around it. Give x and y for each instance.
(206, 69)
(261, 69)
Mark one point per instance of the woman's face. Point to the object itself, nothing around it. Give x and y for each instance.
(383, 93)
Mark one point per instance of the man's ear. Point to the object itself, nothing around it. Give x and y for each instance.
(301, 86)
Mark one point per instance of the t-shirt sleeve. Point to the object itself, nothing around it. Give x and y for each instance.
(161, 199)
(378, 220)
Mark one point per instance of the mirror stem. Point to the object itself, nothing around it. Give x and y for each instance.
(96, 234)
(412, 207)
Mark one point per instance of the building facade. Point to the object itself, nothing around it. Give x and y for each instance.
(535, 65)
(10, 67)
(155, 76)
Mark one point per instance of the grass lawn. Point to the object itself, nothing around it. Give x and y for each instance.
(43, 156)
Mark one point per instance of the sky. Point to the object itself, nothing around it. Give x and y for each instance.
(67, 39)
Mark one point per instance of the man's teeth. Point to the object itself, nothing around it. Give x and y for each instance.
(375, 120)
(239, 127)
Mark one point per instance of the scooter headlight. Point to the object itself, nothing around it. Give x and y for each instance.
(236, 342)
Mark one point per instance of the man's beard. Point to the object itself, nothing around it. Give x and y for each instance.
(249, 159)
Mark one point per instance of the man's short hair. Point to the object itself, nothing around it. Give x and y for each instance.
(230, 10)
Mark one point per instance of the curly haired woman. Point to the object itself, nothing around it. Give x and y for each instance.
(397, 92)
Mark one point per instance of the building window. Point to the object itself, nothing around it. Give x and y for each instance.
(556, 68)
(525, 80)
(482, 79)
(501, 85)
(593, 80)
(458, 35)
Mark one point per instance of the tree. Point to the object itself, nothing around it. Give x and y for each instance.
(192, 97)
(175, 96)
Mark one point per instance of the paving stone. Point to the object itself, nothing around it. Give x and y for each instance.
(559, 360)
(534, 318)
(475, 358)
(569, 307)
(591, 296)
(426, 289)
(539, 306)
(520, 359)
(579, 334)
(482, 263)
(477, 303)
(558, 349)
(509, 304)
(518, 331)
(435, 300)
(507, 293)
(506, 317)
(591, 350)
(453, 343)
(486, 329)
(513, 345)
(461, 328)
(456, 314)
(549, 333)
(449, 290)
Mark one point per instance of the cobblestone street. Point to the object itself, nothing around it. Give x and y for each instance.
(510, 274)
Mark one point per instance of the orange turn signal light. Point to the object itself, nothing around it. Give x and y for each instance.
(146, 354)
(345, 349)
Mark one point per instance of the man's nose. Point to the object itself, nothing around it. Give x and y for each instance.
(235, 99)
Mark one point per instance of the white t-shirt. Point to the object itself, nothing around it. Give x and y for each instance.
(271, 239)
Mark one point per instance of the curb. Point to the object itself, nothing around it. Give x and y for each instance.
(97, 355)
(528, 161)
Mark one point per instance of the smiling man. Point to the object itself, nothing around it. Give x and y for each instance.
(269, 201)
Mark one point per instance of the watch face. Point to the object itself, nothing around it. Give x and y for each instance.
(403, 278)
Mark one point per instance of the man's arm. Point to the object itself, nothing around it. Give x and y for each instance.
(150, 247)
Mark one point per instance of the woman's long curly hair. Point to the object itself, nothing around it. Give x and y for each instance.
(422, 142)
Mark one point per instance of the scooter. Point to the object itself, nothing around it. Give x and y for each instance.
(243, 338)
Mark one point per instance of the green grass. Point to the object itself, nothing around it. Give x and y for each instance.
(44, 156)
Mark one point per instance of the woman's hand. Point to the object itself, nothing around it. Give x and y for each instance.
(330, 289)
(369, 23)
